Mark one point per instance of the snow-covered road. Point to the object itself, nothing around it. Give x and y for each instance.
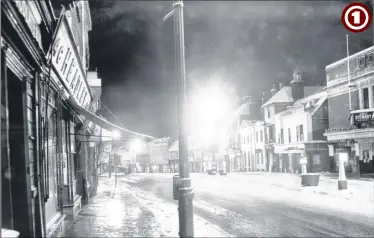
(243, 206)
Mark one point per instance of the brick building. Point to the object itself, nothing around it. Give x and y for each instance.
(351, 108)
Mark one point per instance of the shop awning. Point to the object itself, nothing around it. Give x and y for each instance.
(101, 122)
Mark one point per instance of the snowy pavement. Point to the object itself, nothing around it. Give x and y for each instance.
(243, 206)
(122, 212)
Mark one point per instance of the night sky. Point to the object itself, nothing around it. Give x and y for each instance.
(249, 45)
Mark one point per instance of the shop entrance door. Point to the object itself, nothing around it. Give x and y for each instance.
(22, 155)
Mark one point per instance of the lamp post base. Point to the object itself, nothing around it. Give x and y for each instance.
(185, 209)
(342, 184)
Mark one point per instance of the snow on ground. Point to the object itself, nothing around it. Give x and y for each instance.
(302, 197)
(363, 191)
(237, 221)
(167, 216)
(280, 187)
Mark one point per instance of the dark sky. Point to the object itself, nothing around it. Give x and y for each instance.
(246, 44)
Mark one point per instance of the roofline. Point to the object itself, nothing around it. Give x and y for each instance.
(264, 105)
(319, 94)
(350, 57)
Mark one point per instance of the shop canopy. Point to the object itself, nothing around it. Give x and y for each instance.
(101, 122)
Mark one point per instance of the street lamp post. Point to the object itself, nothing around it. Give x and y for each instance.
(110, 165)
(185, 201)
(115, 169)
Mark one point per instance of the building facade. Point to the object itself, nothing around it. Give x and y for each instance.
(351, 106)
(195, 157)
(235, 158)
(159, 154)
(143, 159)
(49, 130)
(281, 98)
(300, 138)
(253, 145)
(27, 29)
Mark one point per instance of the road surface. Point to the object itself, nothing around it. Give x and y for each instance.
(238, 209)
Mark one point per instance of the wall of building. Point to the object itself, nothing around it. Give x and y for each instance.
(285, 121)
(320, 122)
(338, 109)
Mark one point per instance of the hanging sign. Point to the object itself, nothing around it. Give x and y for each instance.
(68, 66)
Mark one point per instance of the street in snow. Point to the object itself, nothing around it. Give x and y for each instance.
(238, 204)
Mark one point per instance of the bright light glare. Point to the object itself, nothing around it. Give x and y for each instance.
(137, 145)
(209, 110)
(116, 134)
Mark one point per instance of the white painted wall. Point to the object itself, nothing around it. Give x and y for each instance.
(286, 120)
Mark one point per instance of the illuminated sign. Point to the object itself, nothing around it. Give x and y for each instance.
(67, 64)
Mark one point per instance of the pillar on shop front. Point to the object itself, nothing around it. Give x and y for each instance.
(371, 99)
(342, 181)
(356, 165)
(270, 159)
(361, 99)
(303, 163)
(290, 163)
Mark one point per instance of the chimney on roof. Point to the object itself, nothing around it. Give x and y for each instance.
(264, 98)
(297, 85)
(251, 105)
(274, 90)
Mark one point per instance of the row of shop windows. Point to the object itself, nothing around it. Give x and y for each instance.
(58, 163)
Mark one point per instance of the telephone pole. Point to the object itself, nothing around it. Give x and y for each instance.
(185, 200)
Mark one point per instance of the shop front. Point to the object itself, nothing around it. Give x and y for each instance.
(358, 144)
(289, 157)
(364, 120)
(25, 35)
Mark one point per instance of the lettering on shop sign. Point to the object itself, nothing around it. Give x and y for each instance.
(67, 64)
(363, 119)
(330, 130)
(293, 148)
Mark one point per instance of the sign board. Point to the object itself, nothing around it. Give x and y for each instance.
(289, 149)
(350, 135)
(68, 66)
(343, 157)
(331, 150)
(303, 160)
(363, 119)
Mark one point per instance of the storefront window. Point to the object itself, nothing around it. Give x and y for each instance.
(64, 152)
(51, 207)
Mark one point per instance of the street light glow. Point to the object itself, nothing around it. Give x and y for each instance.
(137, 145)
(210, 107)
(116, 135)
